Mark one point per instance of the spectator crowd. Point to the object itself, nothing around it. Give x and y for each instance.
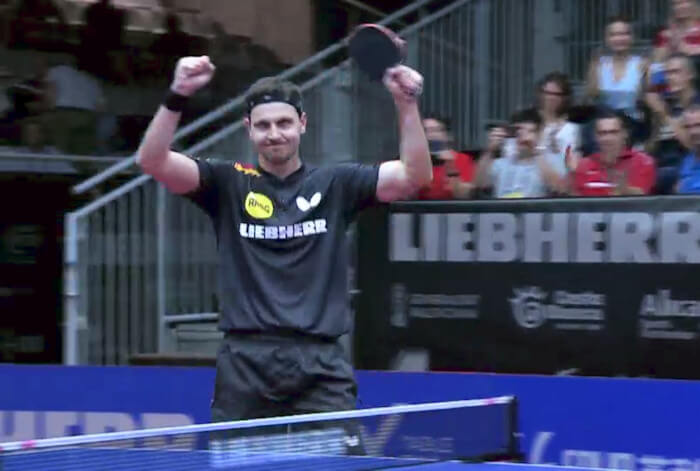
(63, 106)
(636, 130)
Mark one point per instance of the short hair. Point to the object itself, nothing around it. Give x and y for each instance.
(272, 89)
(562, 81)
(618, 19)
(529, 115)
(445, 121)
(686, 60)
(608, 113)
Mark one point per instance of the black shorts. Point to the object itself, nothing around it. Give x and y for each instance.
(262, 375)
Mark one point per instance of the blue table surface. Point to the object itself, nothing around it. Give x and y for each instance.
(94, 459)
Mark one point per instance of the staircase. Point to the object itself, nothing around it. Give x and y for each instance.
(140, 264)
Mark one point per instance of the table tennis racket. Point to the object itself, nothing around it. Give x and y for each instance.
(375, 48)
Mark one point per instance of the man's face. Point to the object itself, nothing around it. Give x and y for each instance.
(683, 9)
(619, 37)
(435, 130)
(692, 125)
(611, 136)
(275, 130)
(678, 74)
(528, 135)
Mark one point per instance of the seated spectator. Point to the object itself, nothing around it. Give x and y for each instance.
(452, 170)
(525, 174)
(34, 138)
(616, 78)
(681, 35)
(669, 141)
(689, 172)
(559, 136)
(616, 169)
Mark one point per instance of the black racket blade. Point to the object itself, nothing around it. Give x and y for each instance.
(375, 49)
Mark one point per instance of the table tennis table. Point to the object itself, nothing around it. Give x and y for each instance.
(320, 441)
(97, 459)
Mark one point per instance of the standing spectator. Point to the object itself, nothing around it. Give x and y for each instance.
(77, 99)
(669, 140)
(682, 34)
(102, 51)
(36, 24)
(172, 44)
(559, 136)
(689, 172)
(453, 171)
(616, 169)
(525, 174)
(616, 78)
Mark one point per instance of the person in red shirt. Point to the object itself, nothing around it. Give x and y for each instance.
(616, 169)
(453, 171)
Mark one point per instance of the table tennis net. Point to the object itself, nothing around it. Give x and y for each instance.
(381, 438)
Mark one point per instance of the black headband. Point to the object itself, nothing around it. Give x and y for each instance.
(294, 99)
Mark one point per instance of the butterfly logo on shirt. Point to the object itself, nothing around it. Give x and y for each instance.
(305, 205)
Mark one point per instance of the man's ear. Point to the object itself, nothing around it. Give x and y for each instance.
(247, 124)
(303, 120)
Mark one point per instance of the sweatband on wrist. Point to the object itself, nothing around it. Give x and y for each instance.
(174, 101)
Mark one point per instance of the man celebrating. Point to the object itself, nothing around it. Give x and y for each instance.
(281, 228)
(616, 170)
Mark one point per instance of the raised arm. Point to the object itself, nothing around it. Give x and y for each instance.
(401, 179)
(495, 144)
(176, 171)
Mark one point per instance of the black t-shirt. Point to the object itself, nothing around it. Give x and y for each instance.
(283, 256)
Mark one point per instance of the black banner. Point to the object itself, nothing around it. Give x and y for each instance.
(597, 286)
(31, 231)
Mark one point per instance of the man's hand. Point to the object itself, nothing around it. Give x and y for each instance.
(191, 74)
(404, 84)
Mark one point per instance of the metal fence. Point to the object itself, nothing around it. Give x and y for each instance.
(140, 261)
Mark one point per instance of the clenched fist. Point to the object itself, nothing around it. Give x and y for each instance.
(404, 83)
(191, 74)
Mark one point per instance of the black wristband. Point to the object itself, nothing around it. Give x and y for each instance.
(174, 101)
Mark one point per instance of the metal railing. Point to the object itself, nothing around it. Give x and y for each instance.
(139, 260)
(123, 249)
(236, 104)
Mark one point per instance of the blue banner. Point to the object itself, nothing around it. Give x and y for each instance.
(633, 424)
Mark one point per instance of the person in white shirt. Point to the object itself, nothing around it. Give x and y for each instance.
(560, 137)
(77, 99)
